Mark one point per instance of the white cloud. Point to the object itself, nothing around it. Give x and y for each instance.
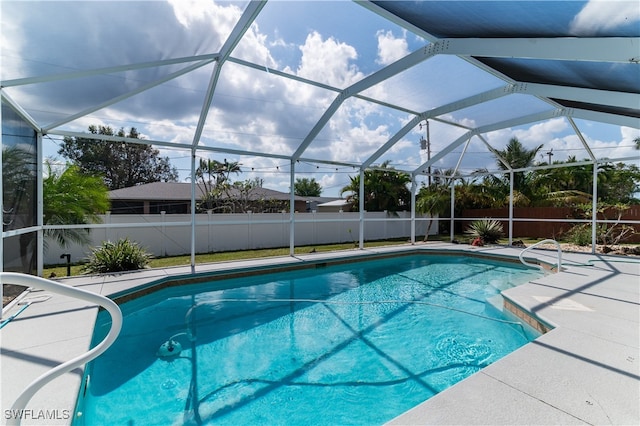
(328, 61)
(629, 134)
(605, 15)
(251, 109)
(541, 133)
(390, 48)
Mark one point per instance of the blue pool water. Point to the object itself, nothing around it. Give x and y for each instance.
(356, 343)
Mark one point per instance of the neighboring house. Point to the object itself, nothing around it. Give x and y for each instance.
(175, 197)
(340, 205)
(327, 204)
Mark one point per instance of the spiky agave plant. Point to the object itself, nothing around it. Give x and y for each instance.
(488, 230)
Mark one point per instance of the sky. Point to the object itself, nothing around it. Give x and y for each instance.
(336, 43)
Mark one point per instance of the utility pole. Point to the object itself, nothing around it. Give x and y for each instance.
(426, 144)
(550, 154)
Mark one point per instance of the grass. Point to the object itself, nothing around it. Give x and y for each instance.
(166, 262)
(184, 260)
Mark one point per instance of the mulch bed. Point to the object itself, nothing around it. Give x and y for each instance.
(10, 292)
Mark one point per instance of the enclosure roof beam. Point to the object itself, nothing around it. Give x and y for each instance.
(19, 110)
(248, 16)
(499, 156)
(582, 139)
(598, 49)
(127, 95)
(444, 109)
(603, 117)
(593, 96)
(385, 73)
(438, 156)
(485, 129)
(107, 70)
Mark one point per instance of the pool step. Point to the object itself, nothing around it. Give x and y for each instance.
(500, 285)
(496, 302)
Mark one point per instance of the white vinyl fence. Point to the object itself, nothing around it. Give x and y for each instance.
(170, 234)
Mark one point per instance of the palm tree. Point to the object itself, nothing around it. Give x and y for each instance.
(433, 200)
(517, 157)
(72, 198)
(385, 189)
(18, 187)
(18, 194)
(215, 178)
(564, 186)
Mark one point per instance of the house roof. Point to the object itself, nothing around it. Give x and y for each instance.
(181, 191)
(336, 203)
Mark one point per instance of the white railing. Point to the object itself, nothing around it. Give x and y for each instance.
(559, 267)
(65, 290)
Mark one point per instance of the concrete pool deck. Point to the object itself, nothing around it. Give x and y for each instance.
(584, 371)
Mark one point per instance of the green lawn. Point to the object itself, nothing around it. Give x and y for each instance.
(164, 262)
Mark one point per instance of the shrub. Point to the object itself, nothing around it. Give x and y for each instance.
(123, 255)
(606, 234)
(580, 234)
(488, 230)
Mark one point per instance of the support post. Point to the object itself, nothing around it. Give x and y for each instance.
(413, 209)
(361, 208)
(594, 208)
(510, 207)
(292, 209)
(193, 208)
(39, 208)
(452, 221)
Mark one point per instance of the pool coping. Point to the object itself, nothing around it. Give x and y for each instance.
(611, 323)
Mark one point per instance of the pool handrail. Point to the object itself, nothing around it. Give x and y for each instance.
(548, 240)
(69, 291)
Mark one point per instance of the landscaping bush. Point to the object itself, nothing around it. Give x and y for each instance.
(489, 231)
(580, 234)
(123, 255)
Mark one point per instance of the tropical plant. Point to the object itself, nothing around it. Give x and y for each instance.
(384, 189)
(18, 187)
(488, 230)
(307, 187)
(72, 198)
(123, 255)
(516, 156)
(618, 183)
(19, 198)
(215, 178)
(121, 165)
(612, 232)
(433, 200)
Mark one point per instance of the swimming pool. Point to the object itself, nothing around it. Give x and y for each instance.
(356, 343)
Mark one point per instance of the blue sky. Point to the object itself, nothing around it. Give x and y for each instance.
(334, 42)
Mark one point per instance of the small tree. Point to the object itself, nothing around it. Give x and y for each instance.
(611, 233)
(432, 200)
(215, 179)
(121, 165)
(384, 189)
(307, 187)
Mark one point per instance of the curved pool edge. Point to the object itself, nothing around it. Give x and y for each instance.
(20, 352)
